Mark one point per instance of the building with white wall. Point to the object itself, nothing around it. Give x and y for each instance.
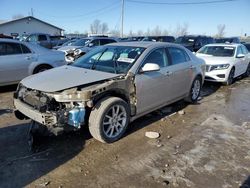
(27, 25)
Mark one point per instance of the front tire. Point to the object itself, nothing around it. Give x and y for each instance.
(194, 91)
(247, 73)
(109, 119)
(42, 68)
(230, 78)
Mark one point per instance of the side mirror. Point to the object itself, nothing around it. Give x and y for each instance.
(149, 67)
(240, 56)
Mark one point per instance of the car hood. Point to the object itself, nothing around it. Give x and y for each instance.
(213, 60)
(64, 77)
(67, 48)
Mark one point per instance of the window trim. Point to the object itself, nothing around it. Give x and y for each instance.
(186, 60)
(26, 47)
(143, 60)
(15, 43)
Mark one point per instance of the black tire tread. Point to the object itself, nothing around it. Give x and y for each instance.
(95, 117)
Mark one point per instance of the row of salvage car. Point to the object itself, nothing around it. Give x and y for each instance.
(112, 85)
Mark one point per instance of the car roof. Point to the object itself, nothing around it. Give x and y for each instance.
(225, 44)
(8, 40)
(93, 37)
(34, 47)
(142, 44)
(196, 36)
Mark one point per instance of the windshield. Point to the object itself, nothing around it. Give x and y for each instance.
(224, 40)
(186, 40)
(69, 43)
(223, 51)
(113, 59)
(80, 42)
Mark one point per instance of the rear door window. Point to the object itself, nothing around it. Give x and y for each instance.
(25, 49)
(2, 49)
(177, 55)
(106, 41)
(10, 48)
(96, 42)
(42, 38)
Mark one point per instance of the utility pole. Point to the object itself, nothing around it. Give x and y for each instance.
(122, 18)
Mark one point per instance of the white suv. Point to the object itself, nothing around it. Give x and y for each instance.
(224, 62)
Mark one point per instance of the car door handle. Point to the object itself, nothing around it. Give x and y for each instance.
(168, 73)
(27, 57)
(192, 67)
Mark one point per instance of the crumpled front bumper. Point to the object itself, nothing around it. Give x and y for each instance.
(28, 111)
(74, 117)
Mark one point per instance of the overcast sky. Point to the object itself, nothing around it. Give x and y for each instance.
(77, 15)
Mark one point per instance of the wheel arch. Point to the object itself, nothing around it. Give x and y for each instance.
(112, 93)
(40, 65)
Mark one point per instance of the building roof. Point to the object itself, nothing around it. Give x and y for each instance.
(30, 17)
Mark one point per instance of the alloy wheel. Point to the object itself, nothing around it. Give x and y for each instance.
(114, 121)
(196, 89)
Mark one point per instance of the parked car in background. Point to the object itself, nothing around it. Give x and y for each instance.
(84, 45)
(228, 40)
(46, 40)
(68, 43)
(19, 60)
(194, 42)
(109, 87)
(5, 36)
(159, 38)
(224, 62)
(131, 39)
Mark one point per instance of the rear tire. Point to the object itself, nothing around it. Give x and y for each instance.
(109, 119)
(194, 91)
(41, 68)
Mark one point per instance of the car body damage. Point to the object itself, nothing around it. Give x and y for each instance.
(109, 87)
(67, 109)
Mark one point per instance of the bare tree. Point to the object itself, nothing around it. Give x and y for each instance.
(115, 33)
(148, 32)
(165, 32)
(220, 30)
(95, 27)
(104, 28)
(181, 30)
(130, 34)
(140, 32)
(17, 16)
(156, 31)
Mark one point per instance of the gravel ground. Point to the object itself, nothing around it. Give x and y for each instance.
(202, 145)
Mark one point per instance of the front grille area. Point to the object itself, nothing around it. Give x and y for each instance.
(37, 100)
(209, 78)
(221, 75)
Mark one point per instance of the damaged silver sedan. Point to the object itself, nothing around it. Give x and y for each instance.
(109, 87)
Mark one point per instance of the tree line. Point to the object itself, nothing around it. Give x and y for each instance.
(98, 27)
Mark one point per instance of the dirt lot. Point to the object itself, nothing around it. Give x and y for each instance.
(208, 146)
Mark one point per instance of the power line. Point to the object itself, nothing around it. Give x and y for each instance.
(181, 3)
(83, 15)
